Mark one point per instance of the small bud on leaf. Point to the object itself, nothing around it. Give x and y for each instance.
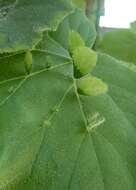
(75, 41)
(28, 61)
(91, 86)
(84, 59)
(49, 61)
(46, 123)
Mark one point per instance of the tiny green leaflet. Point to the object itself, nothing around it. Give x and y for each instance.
(75, 41)
(84, 59)
(28, 60)
(91, 86)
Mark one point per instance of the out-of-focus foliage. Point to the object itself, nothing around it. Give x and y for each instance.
(120, 44)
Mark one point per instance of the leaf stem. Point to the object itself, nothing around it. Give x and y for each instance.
(80, 104)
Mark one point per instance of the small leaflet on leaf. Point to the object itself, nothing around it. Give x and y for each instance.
(84, 59)
(91, 86)
(75, 40)
(49, 61)
(28, 61)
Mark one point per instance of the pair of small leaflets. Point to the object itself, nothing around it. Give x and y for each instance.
(84, 60)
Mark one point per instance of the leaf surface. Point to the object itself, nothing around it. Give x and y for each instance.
(52, 137)
(79, 3)
(22, 27)
(79, 23)
(57, 42)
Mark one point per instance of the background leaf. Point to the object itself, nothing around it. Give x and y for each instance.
(119, 43)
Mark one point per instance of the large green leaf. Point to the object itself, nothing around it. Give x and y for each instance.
(119, 43)
(45, 141)
(53, 138)
(21, 28)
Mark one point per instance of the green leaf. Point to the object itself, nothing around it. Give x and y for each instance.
(91, 86)
(22, 27)
(119, 43)
(22, 145)
(79, 3)
(75, 41)
(53, 138)
(5, 7)
(57, 43)
(84, 59)
(76, 22)
(6, 3)
(49, 132)
(51, 46)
